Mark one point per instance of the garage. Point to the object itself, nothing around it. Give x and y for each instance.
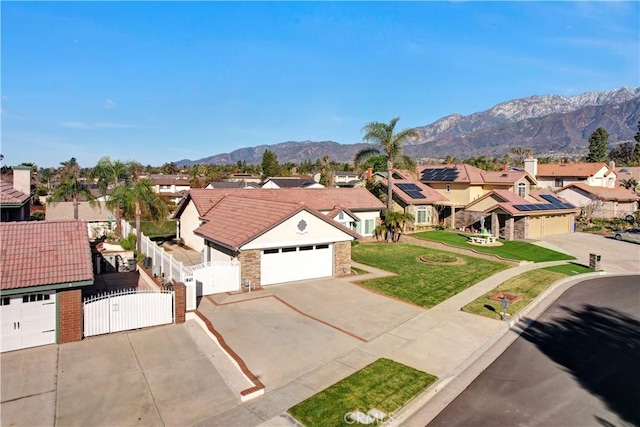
(292, 263)
(535, 227)
(27, 320)
(556, 224)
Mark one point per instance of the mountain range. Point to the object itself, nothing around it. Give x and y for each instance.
(545, 124)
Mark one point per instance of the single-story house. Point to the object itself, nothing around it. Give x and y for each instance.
(43, 267)
(229, 184)
(511, 217)
(554, 176)
(100, 220)
(287, 242)
(346, 213)
(413, 197)
(600, 202)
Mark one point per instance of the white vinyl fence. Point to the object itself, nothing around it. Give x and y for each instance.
(127, 309)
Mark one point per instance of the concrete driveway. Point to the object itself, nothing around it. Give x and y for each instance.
(287, 331)
(169, 375)
(617, 257)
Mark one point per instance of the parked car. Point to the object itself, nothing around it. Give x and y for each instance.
(630, 235)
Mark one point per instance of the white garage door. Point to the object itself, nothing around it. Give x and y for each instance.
(296, 263)
(27, 320)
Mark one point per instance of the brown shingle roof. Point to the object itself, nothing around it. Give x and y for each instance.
(235, 221)
(9, 196)
(41, 253)
(570, 170)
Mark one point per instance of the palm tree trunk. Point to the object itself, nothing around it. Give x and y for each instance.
(389, 193)
(138, 231)
(75, 209)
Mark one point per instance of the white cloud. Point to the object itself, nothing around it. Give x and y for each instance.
(108, 104)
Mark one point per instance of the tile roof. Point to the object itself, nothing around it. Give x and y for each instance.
(234, 221)
(321, 199)
(64, 210)
(182, 180)
(9, 196)
(570, 170)
(38, 253)
(404, 177)
(618, 194)
(507, 200)
(469, 174)
(290, 182)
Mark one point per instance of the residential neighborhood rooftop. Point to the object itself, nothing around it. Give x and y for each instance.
(36, 253)
(571, 170)
(9, 196)
(618, 194)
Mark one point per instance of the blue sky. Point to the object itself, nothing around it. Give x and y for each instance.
(162, 81)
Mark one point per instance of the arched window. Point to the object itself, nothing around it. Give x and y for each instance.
(522, 190)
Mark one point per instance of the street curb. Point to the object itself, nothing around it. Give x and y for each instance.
(543, 301)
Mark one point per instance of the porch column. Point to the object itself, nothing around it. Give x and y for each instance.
(495, 224)
(509, 228)
(453, 217)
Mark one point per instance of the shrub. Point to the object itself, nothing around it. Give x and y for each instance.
(128, 243)
(38, 216)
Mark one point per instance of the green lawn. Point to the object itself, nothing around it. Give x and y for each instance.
(424, 284)
(510, 249)
(384, 384)
(529, 285)
(155, 230)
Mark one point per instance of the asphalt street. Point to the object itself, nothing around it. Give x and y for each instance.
(575, 365)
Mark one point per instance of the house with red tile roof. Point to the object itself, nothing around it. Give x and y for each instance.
(601, 202)
(413, 197)
(174, 187)
(511, 217)
(554, 176)
(461, 184)
(43, 267)
(278, 235)
(100, 220)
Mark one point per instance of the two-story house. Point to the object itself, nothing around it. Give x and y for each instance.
(554, 176)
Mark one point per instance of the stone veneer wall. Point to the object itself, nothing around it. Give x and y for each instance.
(341, 259)
(521, 228)
(250, 266)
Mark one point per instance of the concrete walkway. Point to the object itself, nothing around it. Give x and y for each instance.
(442, 341)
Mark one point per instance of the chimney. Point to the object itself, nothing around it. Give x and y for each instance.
(505, 167)
(531, 166)
(612, 166)
(369, 174)
(22, 179)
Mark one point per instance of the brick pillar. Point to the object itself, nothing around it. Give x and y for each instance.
(69, 316)
(181, 301)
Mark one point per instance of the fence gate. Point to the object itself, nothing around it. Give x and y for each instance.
(127, 309)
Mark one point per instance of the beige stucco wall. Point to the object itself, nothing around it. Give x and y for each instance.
(189, 221)
(288, 234)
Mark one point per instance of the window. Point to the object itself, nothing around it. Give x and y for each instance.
(165, 187)
(368, 226)
(5, 301)
(559, 182)
(522, 190)
(322, 246)
(306, 248)
(293, 249)
(448, 188)
(421, 214)
(270, 251)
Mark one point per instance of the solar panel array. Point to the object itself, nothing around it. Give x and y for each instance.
(555, 203)
(439, 174)
(412, 190)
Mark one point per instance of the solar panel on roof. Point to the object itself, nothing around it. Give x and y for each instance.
(551, 199)
(408, 187)
(416, 195)
(440, 174)
(522, 207)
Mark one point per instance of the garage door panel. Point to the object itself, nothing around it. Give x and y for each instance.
(296, 263)
(28, 321)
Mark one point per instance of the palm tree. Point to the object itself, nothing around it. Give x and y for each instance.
(108, 173)
(139, 200)
(71, 189)
(391, 147)
(395, 222)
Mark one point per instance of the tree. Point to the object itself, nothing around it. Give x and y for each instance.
(598, 146)
(71, 189)
(519, 154)
(636, 149)
(629, 184)
(391, 146)
(270, 165)
(622, 153)
(110, 174)
(395, 221)
(139, 200)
